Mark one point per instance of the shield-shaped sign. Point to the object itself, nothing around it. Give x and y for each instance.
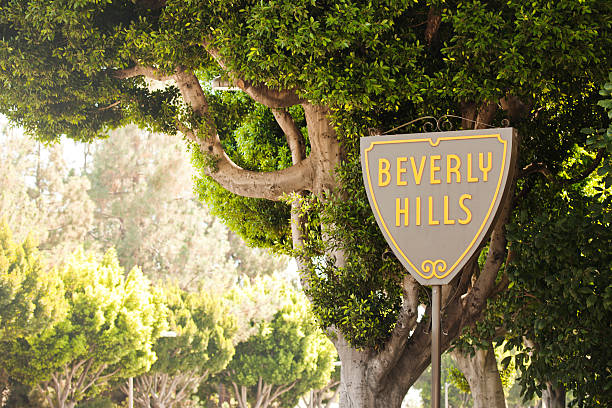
(435, 196)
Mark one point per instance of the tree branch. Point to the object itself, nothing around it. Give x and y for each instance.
(243, 396)
(66, 385)
(84, 373)
(541, 168)
(260, 93)
(434, 18)
(326, 151)
(281, 390)
(485, 116)
(474, 302)
(295, 140)
(259, 388)
(501, 286)
(387, 358)
(468, 113)
(294, 136)
(97, 377)
(269, 185)
(140, 70)
(416, 356)
(190, 380)
(45, 392)
(161, 382)
(58, 388)
(515, 108)
(586, 172)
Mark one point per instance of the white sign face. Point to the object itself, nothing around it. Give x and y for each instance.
(435, 196)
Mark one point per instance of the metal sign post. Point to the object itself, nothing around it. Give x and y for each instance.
(435, 197)
(436, 297)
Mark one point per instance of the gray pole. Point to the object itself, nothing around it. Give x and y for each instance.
(131, 392)
(445, 395)
(436, 297)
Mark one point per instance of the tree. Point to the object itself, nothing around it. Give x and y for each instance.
(202, 347)
(326, 395)
(251, 303)
(283, 359)
(563, 297)
(145, 208)
(30, 297)
(329, 73)
(107, 332)
(41, 196)
(135, 196)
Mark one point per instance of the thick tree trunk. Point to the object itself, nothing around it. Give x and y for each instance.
(482, 374)
(354, 390)
(359, 386)
(553, 397)
(357, 392)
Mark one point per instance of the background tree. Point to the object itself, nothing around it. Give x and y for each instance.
(284, 358)
(108, 331)
(40, 195)
(140, 202)
(347, 67)
(145, 208)
(202, 347)
(30, 297)
(326, 395)
(202, 252)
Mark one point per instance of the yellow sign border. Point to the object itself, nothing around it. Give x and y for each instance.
(433, 273)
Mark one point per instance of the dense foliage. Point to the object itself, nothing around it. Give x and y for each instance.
(30, 296)
(284, 357)
(562, 297)
(200, 346)
(108, 331)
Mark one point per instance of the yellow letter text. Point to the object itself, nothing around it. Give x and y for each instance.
(384, 177)
(399, 211)
(468, 213)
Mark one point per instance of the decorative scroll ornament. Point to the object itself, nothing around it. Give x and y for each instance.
(437, 267)
(442, 124)
(435, 195)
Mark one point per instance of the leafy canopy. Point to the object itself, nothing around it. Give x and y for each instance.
(110, 319)
(204, 333)
(30, 296)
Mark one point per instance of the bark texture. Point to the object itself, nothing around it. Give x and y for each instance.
(66, 388)
(482, 374)
(322, 398)
(161, 390)
(264, 397)
(553, 397)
